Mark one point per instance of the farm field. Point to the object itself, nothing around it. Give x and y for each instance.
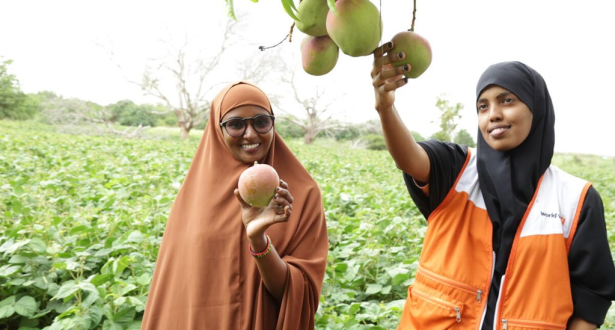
(82, 216)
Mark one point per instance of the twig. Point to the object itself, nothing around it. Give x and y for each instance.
(262, 48)
(413, 16)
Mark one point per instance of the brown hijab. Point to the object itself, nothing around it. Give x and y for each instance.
(205, 277)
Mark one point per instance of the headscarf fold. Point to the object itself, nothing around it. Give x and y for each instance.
(205, 277)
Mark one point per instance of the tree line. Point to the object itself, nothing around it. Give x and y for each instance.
(129, 119)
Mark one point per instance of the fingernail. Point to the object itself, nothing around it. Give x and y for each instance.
(390, 44)
(400, 55)
(406, 67)
(405, 79)
(277, 189)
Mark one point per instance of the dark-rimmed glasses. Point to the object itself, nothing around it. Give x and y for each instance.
(235, 127)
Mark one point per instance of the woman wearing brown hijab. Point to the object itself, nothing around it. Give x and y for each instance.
(215, 268)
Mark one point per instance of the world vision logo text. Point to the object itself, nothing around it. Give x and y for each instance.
(553, 215)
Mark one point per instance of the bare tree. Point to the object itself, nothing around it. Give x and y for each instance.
(183, 78)
(188, 99)
(318, 112)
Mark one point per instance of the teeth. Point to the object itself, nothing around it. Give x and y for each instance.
(499, 130)
(250, 146)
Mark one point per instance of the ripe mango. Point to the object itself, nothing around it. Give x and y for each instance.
(257, 184)
(417, 50)
(312, 15)
(357, 28)
(318, 55)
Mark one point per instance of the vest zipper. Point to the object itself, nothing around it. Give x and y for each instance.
(530, 324)
(438, 301)
(447, 281)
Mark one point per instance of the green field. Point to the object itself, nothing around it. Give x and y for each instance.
(81, 219)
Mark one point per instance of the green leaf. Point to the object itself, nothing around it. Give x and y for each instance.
(125, 314)
(6, 311)
(399, 278)
(120, 264)
(144, 279)
(354, 308)
(38, 245)
(135, 302)
(87, 287)
(19, 259)
(386, 289)
(373, 288)
(90, 299)
(6, 270)
(341, 267)
(71, 311)
(59, 265)
(135, 237)
(134, 325)
(7, 301)
(110, 325)
(12, 247)
(398, 275)
(67, 289)
(289, 7)
(26, 306)
(94, 313)
(230, 9)
(127, 289)
(101, 279)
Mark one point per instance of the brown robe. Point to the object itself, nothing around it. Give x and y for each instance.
(205, 277)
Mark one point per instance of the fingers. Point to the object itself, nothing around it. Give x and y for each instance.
(282, 198)
(385, 76)
(380, 59)
(383, 58)
(283, 215)
(282, 192)
(244, 205)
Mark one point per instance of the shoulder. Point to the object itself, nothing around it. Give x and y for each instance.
(445, 151)
(443, 146)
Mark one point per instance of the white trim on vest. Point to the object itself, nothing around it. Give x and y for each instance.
(555, 204)
(468, 182)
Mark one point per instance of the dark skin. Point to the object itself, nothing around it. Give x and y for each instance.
(409, 156)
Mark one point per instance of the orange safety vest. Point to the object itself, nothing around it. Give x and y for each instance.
(456, 264)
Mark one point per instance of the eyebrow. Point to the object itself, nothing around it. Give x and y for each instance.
(499, 96)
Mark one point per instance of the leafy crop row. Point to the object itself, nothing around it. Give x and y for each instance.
(81, 218)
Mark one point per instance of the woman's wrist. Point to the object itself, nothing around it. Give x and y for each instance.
(261, 254)
(258, 243)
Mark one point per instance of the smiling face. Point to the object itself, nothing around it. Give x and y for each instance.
(503, 119)
(251, 146)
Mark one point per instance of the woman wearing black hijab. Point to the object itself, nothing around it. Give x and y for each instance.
(513, 242)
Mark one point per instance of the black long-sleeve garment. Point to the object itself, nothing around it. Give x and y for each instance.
(592, 272)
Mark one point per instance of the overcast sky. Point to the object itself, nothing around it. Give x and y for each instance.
(62, 46)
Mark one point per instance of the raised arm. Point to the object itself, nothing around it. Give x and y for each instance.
(409, 156)
(270, 265)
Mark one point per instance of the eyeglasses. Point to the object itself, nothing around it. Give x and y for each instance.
(235, 127)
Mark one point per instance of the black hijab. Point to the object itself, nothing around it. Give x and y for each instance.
(508, 179)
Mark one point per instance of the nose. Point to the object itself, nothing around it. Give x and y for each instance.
(495, 113)
(250, 131)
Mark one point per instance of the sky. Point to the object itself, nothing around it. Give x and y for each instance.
(65, 45)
